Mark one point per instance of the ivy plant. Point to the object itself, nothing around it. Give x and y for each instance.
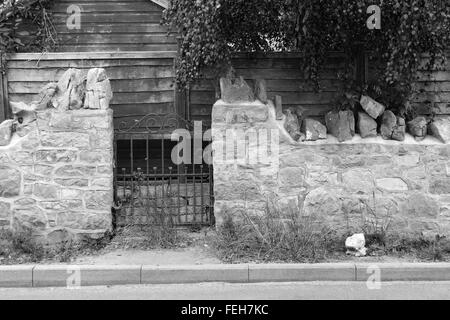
(26, 26)
(212, 30)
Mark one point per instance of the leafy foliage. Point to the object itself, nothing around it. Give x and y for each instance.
(26, 26)
(212, 30)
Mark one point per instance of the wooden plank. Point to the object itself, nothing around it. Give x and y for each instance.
(110, 38)
(124, 85)
(93, 55)
(131, 28)
(90, 63)
(2, 100)
(108, 17)
(120, 99)
(144, 72)
(116, 46)
(108, 6)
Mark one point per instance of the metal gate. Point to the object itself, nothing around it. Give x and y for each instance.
(149, 188)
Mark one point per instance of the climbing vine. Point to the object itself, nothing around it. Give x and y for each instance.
(26, 26)
(212, 30)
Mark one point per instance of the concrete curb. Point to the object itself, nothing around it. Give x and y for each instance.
(84, 275)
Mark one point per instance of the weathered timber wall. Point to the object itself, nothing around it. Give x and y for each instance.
(142, 82)
(285, 77)
(113, 25)
(432, 88)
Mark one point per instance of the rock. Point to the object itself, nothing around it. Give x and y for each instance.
(392, 184)
(314, 130)
(45, 96)
(419, 205)
(279, 107)
(98, 90)
(235, 90)
(32, 217)
(341, 124)
(367, 126)
(23, 113)
(418, 128)
(356, 244)
(292, 126)
(388, 125)
(399, 132)
(372, 107)
(261, 90)
(6, 128)
(440, 128)
(10, 180)
(70, 91)
(99, 200)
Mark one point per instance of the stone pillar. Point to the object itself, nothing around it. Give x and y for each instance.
(56, 174)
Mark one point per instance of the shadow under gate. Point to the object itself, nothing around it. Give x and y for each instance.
(149, 188)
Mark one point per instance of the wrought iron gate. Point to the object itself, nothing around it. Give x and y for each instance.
(149, 188)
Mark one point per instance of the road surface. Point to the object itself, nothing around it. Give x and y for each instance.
(223, 291)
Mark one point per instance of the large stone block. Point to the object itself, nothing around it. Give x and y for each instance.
(420, 205)
(55, 156)
(388, 125)
(418, 128)
(372, 107)
(236, 90)
(10, 179)
(341, 124)
(84, 220)
(359, 180)
(98, 90)
(70, 91)
(65, 139)
(97, 157)
(440, 185)
(441, 128)
(392, 184)
(99, 200)
(30, 217)
(292, 125)
(314, 130)
(72, 182)
(6, 132)
(46, 191)
(367, 126)
(292, 177)
(75, 171)
(5, 214)
(240, 114)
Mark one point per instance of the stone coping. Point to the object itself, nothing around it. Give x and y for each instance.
(331, 140)
(409, 140)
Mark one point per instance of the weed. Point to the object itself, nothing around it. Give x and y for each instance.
(275, 236)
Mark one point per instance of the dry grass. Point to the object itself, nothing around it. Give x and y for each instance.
(275, 237)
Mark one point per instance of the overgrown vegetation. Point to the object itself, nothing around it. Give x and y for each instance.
(20, 247)
(212, 30)
(26, 26)
(275, 237)
(150, 214)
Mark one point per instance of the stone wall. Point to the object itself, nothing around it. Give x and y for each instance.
(56, 172)
(348, 186)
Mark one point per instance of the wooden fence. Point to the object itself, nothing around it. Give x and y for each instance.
(143, 82)
(284, 76)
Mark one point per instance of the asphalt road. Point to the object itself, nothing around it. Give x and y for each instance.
(222, 291)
